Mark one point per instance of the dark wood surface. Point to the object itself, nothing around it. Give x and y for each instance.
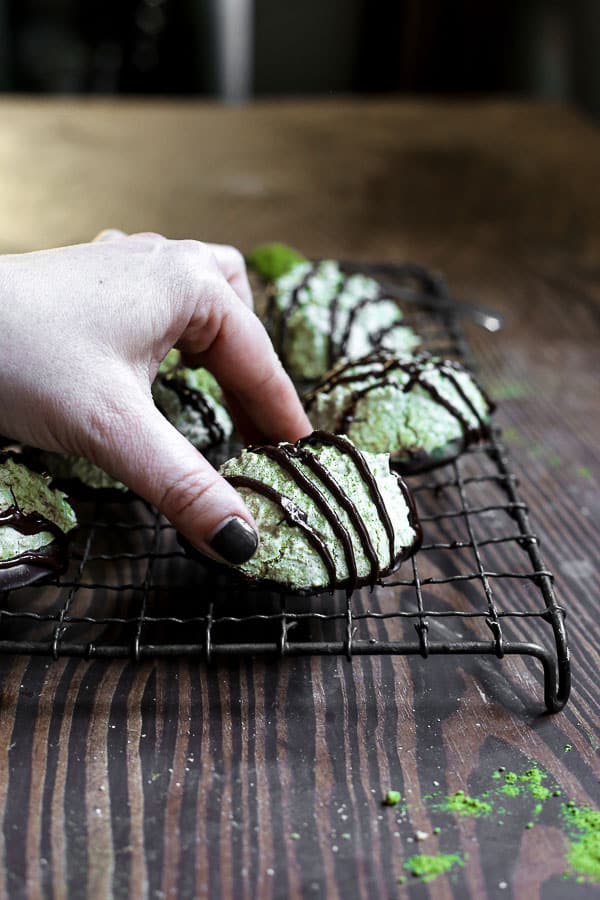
(258, 779)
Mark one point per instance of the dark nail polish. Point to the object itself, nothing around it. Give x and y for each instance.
(236, 541)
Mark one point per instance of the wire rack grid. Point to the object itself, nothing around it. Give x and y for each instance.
(477, 586)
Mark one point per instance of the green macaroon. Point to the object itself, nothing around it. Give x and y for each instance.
(35, 524)
(318, 314)
(193, 403)
(421, 409)
(329, 516)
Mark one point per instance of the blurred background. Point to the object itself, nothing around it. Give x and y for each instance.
(238, 49)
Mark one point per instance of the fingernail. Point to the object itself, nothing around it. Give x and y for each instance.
(109, 234)
(235, 541)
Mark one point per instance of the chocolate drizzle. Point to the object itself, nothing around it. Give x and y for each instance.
(294, 301)
(195, 399)
(379, 365)
(293, 516)
(335, 349)
(311, 462)
(353, 315)
(285, 455)
(51, 557)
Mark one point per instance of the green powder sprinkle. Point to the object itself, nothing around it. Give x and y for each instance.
(392, 798)
(582, 818)
(511, 790)
(583, 850)
(463, 805)
(531, 781)
(584, 472)
(427, 868)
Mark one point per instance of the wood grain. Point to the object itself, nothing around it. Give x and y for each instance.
(171, 779)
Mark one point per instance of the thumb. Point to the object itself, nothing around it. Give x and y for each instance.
(152, 458)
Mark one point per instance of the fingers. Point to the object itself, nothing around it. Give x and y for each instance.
(232, 266)
(230, 261)
(139, 447)
(242, 359)
(225, 336)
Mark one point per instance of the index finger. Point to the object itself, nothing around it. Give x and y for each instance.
(242, 359)
(232, 265)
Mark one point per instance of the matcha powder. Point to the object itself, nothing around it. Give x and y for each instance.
(429, 867)
(521, 793)
(583, 851)
(463, 805)
(530, 781)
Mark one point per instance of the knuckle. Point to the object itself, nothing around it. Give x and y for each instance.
(236, 256)
(192, 252)
(193, 264)
(189, 489)
(153, 236)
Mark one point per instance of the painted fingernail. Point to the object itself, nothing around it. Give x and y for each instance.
(235, 541)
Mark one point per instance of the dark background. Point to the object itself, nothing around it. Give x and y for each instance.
(545, 48)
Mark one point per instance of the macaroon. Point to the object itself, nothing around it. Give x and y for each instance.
(420, 409)
(317, 314)
(329, 515)
(36, 522)
(192, 401)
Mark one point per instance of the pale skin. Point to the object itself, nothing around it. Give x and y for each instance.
(83, 330)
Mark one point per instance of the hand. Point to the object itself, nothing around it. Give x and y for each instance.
(83, 330)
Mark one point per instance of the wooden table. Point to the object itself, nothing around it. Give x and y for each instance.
(256, 779)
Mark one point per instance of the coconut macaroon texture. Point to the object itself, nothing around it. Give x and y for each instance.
(329, 516)
(317, 314)
(422, 410)
(192, 401)
(35, 524)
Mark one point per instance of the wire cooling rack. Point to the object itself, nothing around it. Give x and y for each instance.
(477, 586)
